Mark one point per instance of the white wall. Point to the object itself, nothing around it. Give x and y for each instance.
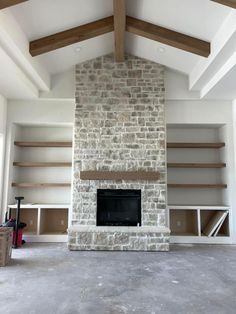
(62, 86)
(40, 111)
(176, 85)
(3, 118)
(233, 171)
(3, 113)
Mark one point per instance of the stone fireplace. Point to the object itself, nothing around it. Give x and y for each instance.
(119, 150)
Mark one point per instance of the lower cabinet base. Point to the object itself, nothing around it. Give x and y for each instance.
(200, 240)
(203, 224)
(45, 238)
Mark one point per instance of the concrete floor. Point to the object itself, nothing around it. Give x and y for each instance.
(48, 279)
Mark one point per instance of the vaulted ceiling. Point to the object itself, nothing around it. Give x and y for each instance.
(206, 21)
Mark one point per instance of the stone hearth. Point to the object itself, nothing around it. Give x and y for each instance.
(119, 238)
(119, 127)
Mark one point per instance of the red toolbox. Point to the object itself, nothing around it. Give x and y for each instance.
(19, 239)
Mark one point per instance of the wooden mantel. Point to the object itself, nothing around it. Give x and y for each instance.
(120, 175)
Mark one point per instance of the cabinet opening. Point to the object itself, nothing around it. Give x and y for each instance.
(207, 216)
(54, 221)
(183, 222)
(28, 216)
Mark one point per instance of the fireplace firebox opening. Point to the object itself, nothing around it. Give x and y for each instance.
(118, 207)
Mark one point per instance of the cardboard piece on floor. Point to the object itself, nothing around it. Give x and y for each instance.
(220, 224)
(214, 223)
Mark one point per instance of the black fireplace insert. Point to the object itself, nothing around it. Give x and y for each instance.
(118, 207)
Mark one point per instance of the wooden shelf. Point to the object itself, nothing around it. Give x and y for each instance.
(195, 145)
(43, 144)
(120, 175)
(42, 164)
(196, 186)
(196, 165)
(40, 185)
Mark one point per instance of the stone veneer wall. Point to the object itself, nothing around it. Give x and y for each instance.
(119, 126)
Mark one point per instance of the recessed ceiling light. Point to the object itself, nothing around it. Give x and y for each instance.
(78, 49)
(161, 49)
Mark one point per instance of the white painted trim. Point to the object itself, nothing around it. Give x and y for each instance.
(200, 240)
(220, 40)
(229, 64)
(46, 238)
(47, 206)
(199, 222)
(16, 45)
(196, 207)
(17, 76)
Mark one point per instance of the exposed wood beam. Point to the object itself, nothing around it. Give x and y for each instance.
(8, 3)
(72, 36)
(119, 28)
(229, 3)
(168, 37)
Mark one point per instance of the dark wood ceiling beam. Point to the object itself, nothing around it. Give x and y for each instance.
(229, 3)
(168, 37)
(8, 3)
(133, 25)
(72, 36)
(119, 29)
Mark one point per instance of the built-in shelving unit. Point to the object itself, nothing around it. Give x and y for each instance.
(41, 159)
(187, 224)
(196, 182)
(45, 222)
(185, 146)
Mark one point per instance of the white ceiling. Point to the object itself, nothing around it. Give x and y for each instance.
(62, 59)
(39, 18)
(34, 19)
(198, 18)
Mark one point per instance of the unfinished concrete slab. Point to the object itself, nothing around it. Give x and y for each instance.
(47, 278)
